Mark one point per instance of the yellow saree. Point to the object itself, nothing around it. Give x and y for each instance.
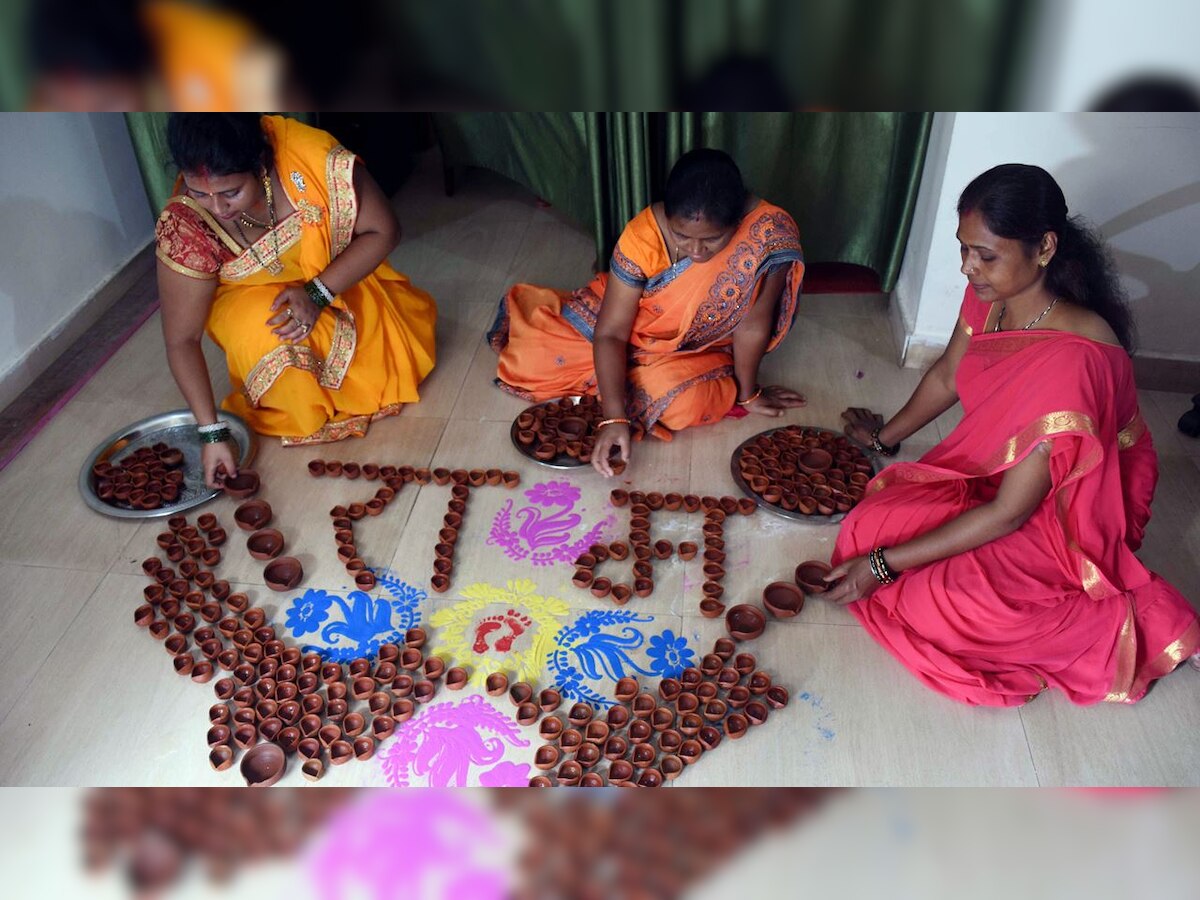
(366, 354)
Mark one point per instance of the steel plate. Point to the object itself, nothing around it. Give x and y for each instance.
(177, 428)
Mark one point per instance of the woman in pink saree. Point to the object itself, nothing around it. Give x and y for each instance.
(1003, 562)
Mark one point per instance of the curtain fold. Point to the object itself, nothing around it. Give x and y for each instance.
(849, 179)
(148, 131)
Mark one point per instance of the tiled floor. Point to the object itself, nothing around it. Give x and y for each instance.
(87, 698)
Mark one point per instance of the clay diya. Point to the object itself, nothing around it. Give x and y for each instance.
(551, 728)
(777, 696)
(252, 515)
(527, 714)
(617, 718)
(569, 773)
(783, 599)
(242, 485)
(738, 695)
(745, 622)
(620, 772)
(496, 684)
(220, 758)
(687, 550)
(756, 712)
(570, 740)
(745, 663)
(626, 689)
(456, 678)
(710, 606)
(759, 683)
(283, 573)
(263, 765)
(810, 576)
(736, 726)
(267, 543)
(621, 593)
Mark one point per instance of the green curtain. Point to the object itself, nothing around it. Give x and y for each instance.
(849, 179)
(148, 132)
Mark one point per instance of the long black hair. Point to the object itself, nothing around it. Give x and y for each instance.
(218, 143)
(1022, 203)
(705, 182)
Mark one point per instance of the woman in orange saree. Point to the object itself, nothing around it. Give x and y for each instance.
(1003, 562)
(277, 248)
(701, 286)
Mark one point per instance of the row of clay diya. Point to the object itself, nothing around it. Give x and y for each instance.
(395, 477)
(806, 470)
(641, 505)
(564, 426)
(281, 573)
(646, 740)
(294, 716)
(148, 478)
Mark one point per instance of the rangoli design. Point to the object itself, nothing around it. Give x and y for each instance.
(545, 528)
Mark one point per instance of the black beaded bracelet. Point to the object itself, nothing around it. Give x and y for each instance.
(880, 447)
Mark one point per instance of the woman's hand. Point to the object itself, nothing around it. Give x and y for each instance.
(773, 400)
(219, 462)
(295, 314)
(852, 580)
(608, 438)
(860, 423)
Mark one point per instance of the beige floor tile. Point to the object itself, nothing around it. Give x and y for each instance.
(483, 400)
(1151, 743)
(857, 717)
(554, 253)
(39, 606)
(460, 340)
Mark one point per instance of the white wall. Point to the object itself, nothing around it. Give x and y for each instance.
(1135, 176)
(73, 212)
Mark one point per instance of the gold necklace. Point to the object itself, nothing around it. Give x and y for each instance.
(275, 266)
(1039, 318)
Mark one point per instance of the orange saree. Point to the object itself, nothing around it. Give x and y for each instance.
(366, 354)
(681, 355)
(1061, 602)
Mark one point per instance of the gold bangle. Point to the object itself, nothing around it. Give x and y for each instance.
(604, 422)
(757, 393)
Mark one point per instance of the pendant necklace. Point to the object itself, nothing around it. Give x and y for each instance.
(1039, 318)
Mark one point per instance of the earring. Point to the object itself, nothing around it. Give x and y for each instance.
(1042, 263)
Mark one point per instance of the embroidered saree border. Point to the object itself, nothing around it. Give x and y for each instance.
(261, 254)
(329, 372)
(1166, 661)
(355, 426)
(343, 202)
(182, 269)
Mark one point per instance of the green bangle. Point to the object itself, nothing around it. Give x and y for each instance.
(316, 295)
(215, 437)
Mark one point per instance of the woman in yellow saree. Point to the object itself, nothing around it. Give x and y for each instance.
(277, 248)
(700, 287)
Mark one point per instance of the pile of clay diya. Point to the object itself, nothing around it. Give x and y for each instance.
(393, 479)
(644, 551)
(645, 740)
(804, 470)
(148, 478)
(562, 432)
(274, 701)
